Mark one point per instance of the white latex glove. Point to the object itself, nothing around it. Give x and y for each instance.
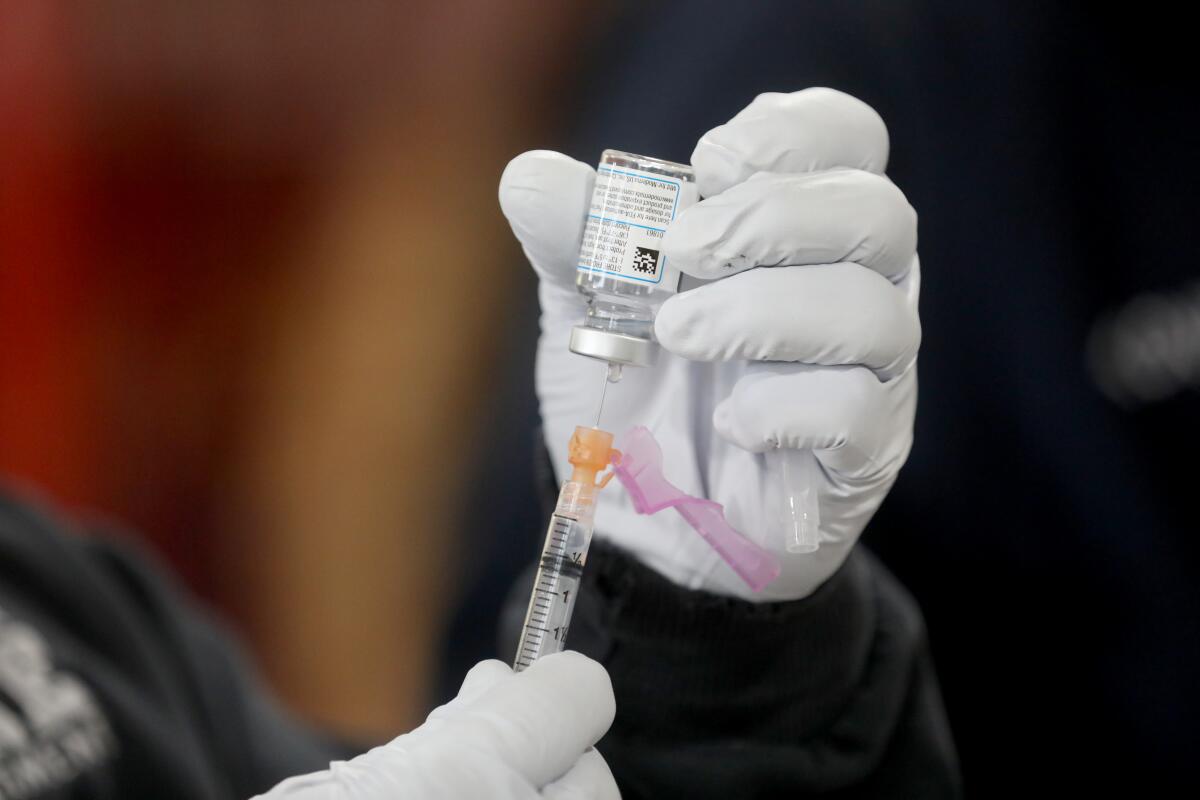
(505, 736)
(801, 332)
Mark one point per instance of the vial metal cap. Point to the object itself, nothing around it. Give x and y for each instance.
(615, 348)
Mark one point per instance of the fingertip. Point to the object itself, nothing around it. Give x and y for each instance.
(717, 166)
(589, 779)
(545, 196)
(725, 423)
(684, 243)
(584, 676)
(679, 326)
(850, 117)
(730, 423)
(813, 129)
(532, 163)
(482, 677)
(540, 173)
(706, 241)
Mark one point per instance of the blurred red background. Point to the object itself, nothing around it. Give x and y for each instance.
(250, 266)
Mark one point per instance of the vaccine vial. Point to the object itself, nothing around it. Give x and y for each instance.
(621, 269)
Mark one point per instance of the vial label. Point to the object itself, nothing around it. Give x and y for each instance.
(629, 213)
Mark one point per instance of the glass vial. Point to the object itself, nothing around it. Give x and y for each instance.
(621, 268)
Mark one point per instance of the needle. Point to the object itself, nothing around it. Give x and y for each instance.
(603, 392)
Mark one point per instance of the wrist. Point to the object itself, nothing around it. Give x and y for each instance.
(675, 644)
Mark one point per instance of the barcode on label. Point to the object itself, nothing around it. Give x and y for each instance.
(645, 261)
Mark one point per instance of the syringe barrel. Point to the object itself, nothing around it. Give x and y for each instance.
(559, 574)
(577, 499)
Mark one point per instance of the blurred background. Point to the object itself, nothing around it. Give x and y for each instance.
(257, 301)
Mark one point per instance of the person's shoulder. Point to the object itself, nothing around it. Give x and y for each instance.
(38, 534)
(55, 732)
(33, 530)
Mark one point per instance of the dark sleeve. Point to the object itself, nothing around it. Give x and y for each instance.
(169, 703)
(254, 738)
(833, 695)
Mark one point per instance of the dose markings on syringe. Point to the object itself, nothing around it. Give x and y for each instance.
(554, 568)
(558, 534)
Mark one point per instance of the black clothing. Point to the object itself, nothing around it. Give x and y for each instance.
(717, 697)
(834, 695)
(114, 684)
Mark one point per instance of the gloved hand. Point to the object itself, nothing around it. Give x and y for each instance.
(505, 736)
(798, 328)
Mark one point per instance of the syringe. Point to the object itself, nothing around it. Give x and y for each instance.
(564, 553)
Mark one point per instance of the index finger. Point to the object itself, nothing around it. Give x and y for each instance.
(807, 131)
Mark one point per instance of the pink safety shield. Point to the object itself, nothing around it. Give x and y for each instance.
(639, 469)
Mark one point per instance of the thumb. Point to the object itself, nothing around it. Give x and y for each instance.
(539, 722)
(545, 196)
